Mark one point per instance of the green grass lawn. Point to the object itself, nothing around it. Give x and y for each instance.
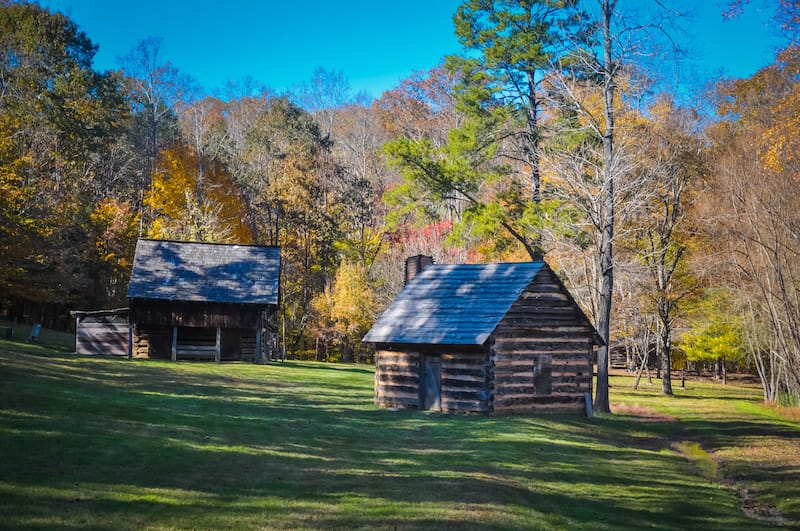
(116, 444)
(53, 340)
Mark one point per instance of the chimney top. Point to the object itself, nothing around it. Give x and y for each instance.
(415, 264)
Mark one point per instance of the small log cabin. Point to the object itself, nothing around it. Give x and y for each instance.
(502, 338)
(191, 300)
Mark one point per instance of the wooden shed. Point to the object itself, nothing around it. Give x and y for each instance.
(193, 300)
(101, 332)
(484, 338)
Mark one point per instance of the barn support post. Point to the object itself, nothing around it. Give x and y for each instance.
(174, 343)
(218, 346)
(259, 357)
(283, 337)
(77, 332)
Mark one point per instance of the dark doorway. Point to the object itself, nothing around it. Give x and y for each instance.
(430, 383)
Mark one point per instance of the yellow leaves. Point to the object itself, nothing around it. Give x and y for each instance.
(782, 144)
(171, 179)
(352, 296)
(108, 212)
(115, 225)
(716, 331)
(175, 200)
(720, 340)
(661, 111)
(349, 307)
(765, 109)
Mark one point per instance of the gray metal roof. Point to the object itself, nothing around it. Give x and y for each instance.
(205, 272)
(453, 304)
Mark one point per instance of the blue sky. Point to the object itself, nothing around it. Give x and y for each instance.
(375, 43)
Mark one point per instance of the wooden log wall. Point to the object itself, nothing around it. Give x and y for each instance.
(141, 344)
(151, 342)
(158, 313)
(193, 343)
(544, 331)
(618, 358)
(464, 379)
(103, 335)
(248, 344)
(397, 379)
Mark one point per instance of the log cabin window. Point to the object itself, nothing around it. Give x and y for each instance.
(542, 375)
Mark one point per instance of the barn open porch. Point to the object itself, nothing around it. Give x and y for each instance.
(196, 343)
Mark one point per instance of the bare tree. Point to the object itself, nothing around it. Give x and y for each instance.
(246, 158)
(154, 87)
(595, 173)
(323, 95)
(761, 227)
(623, 39)
(672, 162)
(752, 215)
(200, 119)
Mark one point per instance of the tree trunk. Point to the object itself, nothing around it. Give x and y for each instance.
(659, 359)
(347, 351)
(533, 131)
(200, 195)
(666, 348)
(642, 368)
(666, 380)
(601, 402)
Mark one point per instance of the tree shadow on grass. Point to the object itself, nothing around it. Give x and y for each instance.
(203, 446)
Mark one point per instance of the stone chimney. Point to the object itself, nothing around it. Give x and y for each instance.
(415, 264)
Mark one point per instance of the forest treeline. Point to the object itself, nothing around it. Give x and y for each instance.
(674, 219)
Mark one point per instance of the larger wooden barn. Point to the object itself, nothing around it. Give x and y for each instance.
(484, 338)
(192, 300)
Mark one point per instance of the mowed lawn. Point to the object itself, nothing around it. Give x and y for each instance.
(117, 444)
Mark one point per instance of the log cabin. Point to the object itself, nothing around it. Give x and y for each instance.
(190, 300)
(490, 338)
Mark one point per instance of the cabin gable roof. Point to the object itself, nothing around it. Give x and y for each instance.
(537, 302)
(453, 304)
(204, 272)
(462, 304)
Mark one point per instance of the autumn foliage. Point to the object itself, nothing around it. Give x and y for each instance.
(531, 141)
(175, 209)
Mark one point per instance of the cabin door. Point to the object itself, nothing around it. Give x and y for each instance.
(430, 383)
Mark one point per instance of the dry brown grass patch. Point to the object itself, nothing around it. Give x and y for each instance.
(643, 412)
(789, 413)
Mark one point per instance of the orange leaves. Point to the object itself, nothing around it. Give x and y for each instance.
(765, 108)
(116, 226)
(781, 151)
(179, 213)
(422, 105)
